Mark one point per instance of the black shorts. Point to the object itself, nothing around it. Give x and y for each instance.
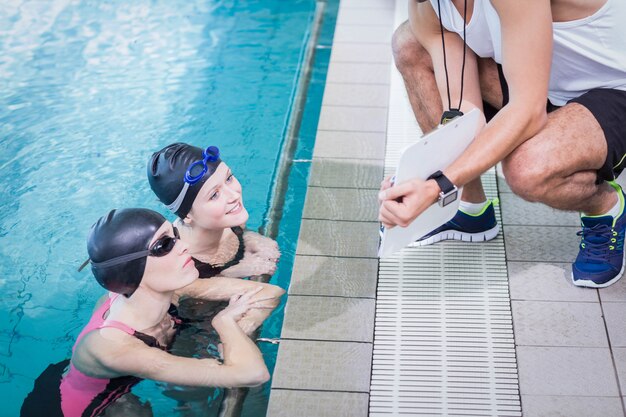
(608, 106)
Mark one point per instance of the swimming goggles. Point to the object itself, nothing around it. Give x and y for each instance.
(161, 247)
(194, 173)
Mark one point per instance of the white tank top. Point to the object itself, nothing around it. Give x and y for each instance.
(588, 53)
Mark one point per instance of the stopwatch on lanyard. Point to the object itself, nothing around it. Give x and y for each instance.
(451, 113)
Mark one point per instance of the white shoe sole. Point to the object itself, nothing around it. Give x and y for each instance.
(590, 284)
(462, 236)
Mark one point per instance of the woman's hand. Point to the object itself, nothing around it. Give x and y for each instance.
(261, 257)
(240, 304)
(251, 265)
(261, 245)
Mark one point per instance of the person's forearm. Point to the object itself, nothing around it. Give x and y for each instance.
(526, 57)
(512, 126)
(241, 355)
(254, 318)
(238, 348)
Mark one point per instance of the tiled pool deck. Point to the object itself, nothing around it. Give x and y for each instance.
(570, 342)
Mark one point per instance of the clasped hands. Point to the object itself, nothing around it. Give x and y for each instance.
(401, 203)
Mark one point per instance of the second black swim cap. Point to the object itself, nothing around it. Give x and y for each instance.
(119, 233)
(166, 174)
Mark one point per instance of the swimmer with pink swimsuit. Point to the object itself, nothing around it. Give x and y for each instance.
(136, 253)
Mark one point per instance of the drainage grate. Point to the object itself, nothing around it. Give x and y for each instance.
(443, 339)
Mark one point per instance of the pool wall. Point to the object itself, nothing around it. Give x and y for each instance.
(324, 359)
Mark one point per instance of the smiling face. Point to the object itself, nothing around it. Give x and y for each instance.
(172, 271)
(219, 204)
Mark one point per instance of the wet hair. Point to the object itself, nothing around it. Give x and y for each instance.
(121, 233)
(166, 174)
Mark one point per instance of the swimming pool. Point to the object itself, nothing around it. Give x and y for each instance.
(88, 90)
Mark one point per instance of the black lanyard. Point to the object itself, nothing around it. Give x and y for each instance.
(451, 113)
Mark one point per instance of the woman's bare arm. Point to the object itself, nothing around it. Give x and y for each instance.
(122, 354)
(221, 289)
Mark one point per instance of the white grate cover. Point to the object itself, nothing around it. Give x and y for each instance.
(443, 339)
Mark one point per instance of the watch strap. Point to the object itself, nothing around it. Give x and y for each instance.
(443, 182)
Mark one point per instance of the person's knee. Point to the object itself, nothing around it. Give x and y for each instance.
(528, 175)
(407, 51)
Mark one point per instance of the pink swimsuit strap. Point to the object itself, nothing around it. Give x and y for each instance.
(117, 325)
(98, 321)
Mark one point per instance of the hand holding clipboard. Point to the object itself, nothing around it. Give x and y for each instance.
(433, 152)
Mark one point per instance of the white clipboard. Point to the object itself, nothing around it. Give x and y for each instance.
(435, 151)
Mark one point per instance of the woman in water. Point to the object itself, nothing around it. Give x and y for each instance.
(138, 257)
(202, 191)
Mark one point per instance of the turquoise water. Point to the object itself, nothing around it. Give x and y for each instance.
(88, 90)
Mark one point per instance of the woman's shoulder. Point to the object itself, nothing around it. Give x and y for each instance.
(103, 340)
(101, 352)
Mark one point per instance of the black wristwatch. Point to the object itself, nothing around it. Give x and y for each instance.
(449, 192)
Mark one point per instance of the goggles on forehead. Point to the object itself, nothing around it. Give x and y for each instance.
(194, 173)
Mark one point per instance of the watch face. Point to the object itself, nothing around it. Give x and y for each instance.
(449, 198)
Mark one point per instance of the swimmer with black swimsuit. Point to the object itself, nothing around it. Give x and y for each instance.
(138, 257)
(201, 190)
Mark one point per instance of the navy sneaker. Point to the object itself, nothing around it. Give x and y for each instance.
(466, 227)
(600, 261)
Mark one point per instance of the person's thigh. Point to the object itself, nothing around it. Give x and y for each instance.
(588, 133)
(572, 141)
(608, 107)
(493, 86)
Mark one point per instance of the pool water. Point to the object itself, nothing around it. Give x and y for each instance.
(88, 90)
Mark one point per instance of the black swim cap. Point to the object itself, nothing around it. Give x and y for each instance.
(122, 232)
(166, 174)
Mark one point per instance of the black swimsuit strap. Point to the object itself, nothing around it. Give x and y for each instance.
(208, 270)
(151, 340)
(240, 251)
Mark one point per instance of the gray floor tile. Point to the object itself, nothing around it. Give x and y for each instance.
(615, 317)
(331, 366)
(619, 354)
(353, 204)
(366, 17)
(346, 173)
(546, 282)
(541, 243)
(356, 95)
(616, 292)
(568, 406)
(350, 145)
(353, 119)
(356, 33)
(359, 73)
(335, 238)
(516, 211)
(360, 52)
(566, 371)
(552, 323)
(329, 318)
(343, 277)
(287, 403)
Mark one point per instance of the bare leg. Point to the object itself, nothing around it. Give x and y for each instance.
(416, 68)
(558, 166)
